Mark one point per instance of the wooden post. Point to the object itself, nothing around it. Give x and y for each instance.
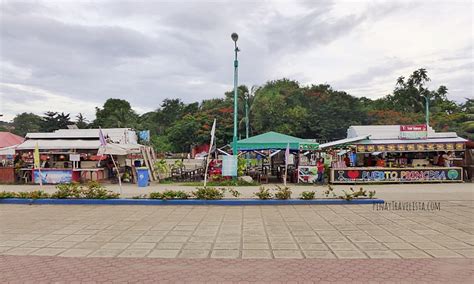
(118, 173)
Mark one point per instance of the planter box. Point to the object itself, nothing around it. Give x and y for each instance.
(222, 202)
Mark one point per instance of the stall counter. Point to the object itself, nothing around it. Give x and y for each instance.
(395, 175)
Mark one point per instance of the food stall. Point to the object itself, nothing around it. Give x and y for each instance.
(397, 154)
(68, 155)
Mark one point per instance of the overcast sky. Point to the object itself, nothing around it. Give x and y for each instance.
(72, 55)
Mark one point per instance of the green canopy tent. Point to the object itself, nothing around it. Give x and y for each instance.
(276, 141)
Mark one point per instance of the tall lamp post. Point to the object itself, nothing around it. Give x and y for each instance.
(235, 37)
(247, 115)
(427, 110)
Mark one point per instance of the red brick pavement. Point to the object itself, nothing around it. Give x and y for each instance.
(38, 269)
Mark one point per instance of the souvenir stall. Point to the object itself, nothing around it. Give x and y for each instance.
(68, 155)
(397, 154)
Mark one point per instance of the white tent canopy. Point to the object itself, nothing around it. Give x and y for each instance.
(10, 150)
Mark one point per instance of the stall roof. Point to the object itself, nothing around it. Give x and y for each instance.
(65, 144)
(389, 132)
(59, 144)
(8, 139)
(271, 140)
(405, 141)
(343, 141)
(117, 135)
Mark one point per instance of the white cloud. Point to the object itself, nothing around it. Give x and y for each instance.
(69, 55)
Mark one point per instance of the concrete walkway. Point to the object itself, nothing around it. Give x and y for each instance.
(239, 232)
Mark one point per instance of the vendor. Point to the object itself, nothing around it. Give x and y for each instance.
(347, 160)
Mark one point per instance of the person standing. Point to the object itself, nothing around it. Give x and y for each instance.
(320, 167)
(448, 162)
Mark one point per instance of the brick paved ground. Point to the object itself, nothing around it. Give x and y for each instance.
(37, 269)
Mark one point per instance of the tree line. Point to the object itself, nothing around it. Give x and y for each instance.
(316, 112)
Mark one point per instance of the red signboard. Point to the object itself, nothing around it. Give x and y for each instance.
(418, 131)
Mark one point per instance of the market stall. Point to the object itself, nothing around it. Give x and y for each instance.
(68, 155)
(396, 154)
(269, 148)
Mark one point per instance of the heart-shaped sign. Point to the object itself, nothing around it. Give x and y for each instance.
(353, 174)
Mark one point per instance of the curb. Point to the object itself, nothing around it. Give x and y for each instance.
(226, 202)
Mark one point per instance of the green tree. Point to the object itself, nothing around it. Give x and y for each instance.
(52, 121)
(81, 121)
(26, 122)
(116, 113)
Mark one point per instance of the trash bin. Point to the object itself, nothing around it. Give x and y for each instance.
(142, 174)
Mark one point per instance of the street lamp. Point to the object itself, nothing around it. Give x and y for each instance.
(235, 37)
(427, 110)
(247, 95)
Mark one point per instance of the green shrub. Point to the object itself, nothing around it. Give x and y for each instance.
(263, 193)
(307, 195)
(169, 194)
(172, 194)
(179, 194)
(235, 193)
(346, 196)
(209, 193)
(282, 192)
(67, 190)
(95, 190)
(7, 194)
(37, 194)
(330, 191)
(155, 195)
(371, 194)
(23, 195)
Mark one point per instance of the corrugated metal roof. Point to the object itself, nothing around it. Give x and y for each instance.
(343, 141)
(9, 139)
(65, 144)
(59, 144)
(389, 132)
(405, 141)
(117, 135)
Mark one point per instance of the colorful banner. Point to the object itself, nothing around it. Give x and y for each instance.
(144, 135)
(419, 131)
(307, 174)
(409, 147)
(354, 175)
(53, 176)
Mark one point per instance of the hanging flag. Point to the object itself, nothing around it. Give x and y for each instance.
(213, 132)
(36, 157)
(287, 154)
(102, 140)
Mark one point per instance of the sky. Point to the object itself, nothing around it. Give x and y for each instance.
(71, 56)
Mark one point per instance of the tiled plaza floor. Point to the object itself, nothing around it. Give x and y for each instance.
(252, 232)
(342, 243)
